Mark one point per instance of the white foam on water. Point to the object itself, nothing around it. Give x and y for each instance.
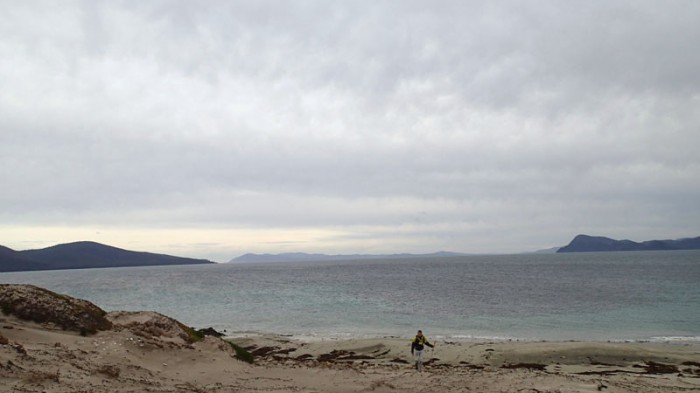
(679, 339)
(477, 338)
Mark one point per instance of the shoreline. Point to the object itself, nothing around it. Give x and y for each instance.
(450, 353)
(671, 340)
(42, 357)
(137, 351)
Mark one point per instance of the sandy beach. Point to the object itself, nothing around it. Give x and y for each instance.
(149, 352)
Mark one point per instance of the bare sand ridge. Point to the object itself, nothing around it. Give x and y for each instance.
(149, 352)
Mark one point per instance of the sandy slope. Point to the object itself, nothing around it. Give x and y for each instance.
(41, 358)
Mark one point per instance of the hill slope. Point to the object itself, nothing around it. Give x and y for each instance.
(84, 255)
(13, 261)
(585, 243)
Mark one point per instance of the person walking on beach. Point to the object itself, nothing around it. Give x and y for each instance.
(417, 345)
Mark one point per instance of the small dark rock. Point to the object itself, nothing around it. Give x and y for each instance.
(285, 351)
(333, 355)
(264, 351)
(210, 332)
(19, 348)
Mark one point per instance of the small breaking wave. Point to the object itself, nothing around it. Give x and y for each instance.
(675, 339)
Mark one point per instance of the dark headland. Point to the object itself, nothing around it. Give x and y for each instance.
(585, 243)
(83, 255)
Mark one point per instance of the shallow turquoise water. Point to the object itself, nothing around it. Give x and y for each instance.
(587, 296)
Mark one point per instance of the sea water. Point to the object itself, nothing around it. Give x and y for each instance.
(643, 296)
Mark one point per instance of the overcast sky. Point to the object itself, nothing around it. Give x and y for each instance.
(212, 129)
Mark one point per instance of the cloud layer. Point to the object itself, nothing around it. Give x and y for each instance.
(349, 126)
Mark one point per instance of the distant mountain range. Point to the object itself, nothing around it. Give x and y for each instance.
(305, 257)
(585, 243)
(82, 255)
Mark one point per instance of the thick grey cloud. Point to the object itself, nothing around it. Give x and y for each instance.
(449, 124)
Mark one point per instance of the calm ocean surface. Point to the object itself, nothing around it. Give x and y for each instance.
(584, 296)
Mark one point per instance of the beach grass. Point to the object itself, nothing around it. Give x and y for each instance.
(241, 353)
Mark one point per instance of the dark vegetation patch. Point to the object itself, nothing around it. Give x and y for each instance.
(263, 351)
(241, 353)
(659, 368)
(342, 355)
(471, 366)
(192, 336)
(649, 368)
(276, 353)
(39, 305)
(529, 366)
(209, 332)
(607, 372)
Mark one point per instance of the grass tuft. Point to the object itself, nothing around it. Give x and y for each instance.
(241, 353)
(193, 336)
(7, 308)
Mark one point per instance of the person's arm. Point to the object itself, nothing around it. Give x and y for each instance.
(413, 345)
(429, 344)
